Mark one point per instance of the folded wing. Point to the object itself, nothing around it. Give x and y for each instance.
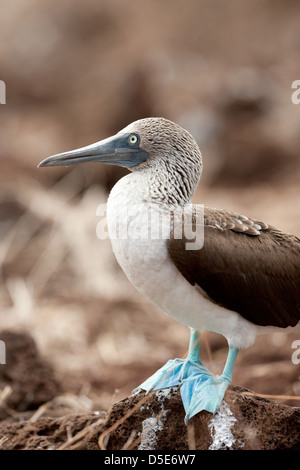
(244, 266)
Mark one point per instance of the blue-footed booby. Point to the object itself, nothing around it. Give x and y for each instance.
(243, 280)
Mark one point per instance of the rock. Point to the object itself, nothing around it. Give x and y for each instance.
(244, 422)
(26, 379)
(50, 433)
(156, 422)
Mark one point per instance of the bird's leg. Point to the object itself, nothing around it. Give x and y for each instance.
(199, 388)
(192, 363)
(230, 361)
(175, 370)
(194, 346)
(204, 391)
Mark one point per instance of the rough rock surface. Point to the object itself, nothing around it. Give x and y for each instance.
(27, 378)
(156, 422)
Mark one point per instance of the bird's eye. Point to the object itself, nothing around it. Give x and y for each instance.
(133, 139)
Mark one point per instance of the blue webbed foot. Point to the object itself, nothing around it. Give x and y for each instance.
(173, 373)
(203, 391)
(200, 390)
(167, 376)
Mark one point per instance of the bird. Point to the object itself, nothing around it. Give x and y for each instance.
(238, 276)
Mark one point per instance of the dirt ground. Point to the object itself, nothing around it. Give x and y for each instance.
(78, 336)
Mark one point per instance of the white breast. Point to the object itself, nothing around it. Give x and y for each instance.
(147, 265)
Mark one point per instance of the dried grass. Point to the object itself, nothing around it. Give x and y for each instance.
(103, 438)
(272, 397)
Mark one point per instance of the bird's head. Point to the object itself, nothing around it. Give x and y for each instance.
(155, 144)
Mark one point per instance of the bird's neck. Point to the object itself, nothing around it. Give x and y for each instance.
(143, 201)
(158, 185)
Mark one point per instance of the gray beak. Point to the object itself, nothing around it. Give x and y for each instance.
(116, 150)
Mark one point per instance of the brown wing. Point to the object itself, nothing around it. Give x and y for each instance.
(254, 271)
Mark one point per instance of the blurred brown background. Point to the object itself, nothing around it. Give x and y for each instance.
(77, 72)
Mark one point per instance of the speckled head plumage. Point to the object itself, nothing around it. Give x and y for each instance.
(166, 141)
(173, 153)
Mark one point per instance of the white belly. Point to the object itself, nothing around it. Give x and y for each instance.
(147, 265)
